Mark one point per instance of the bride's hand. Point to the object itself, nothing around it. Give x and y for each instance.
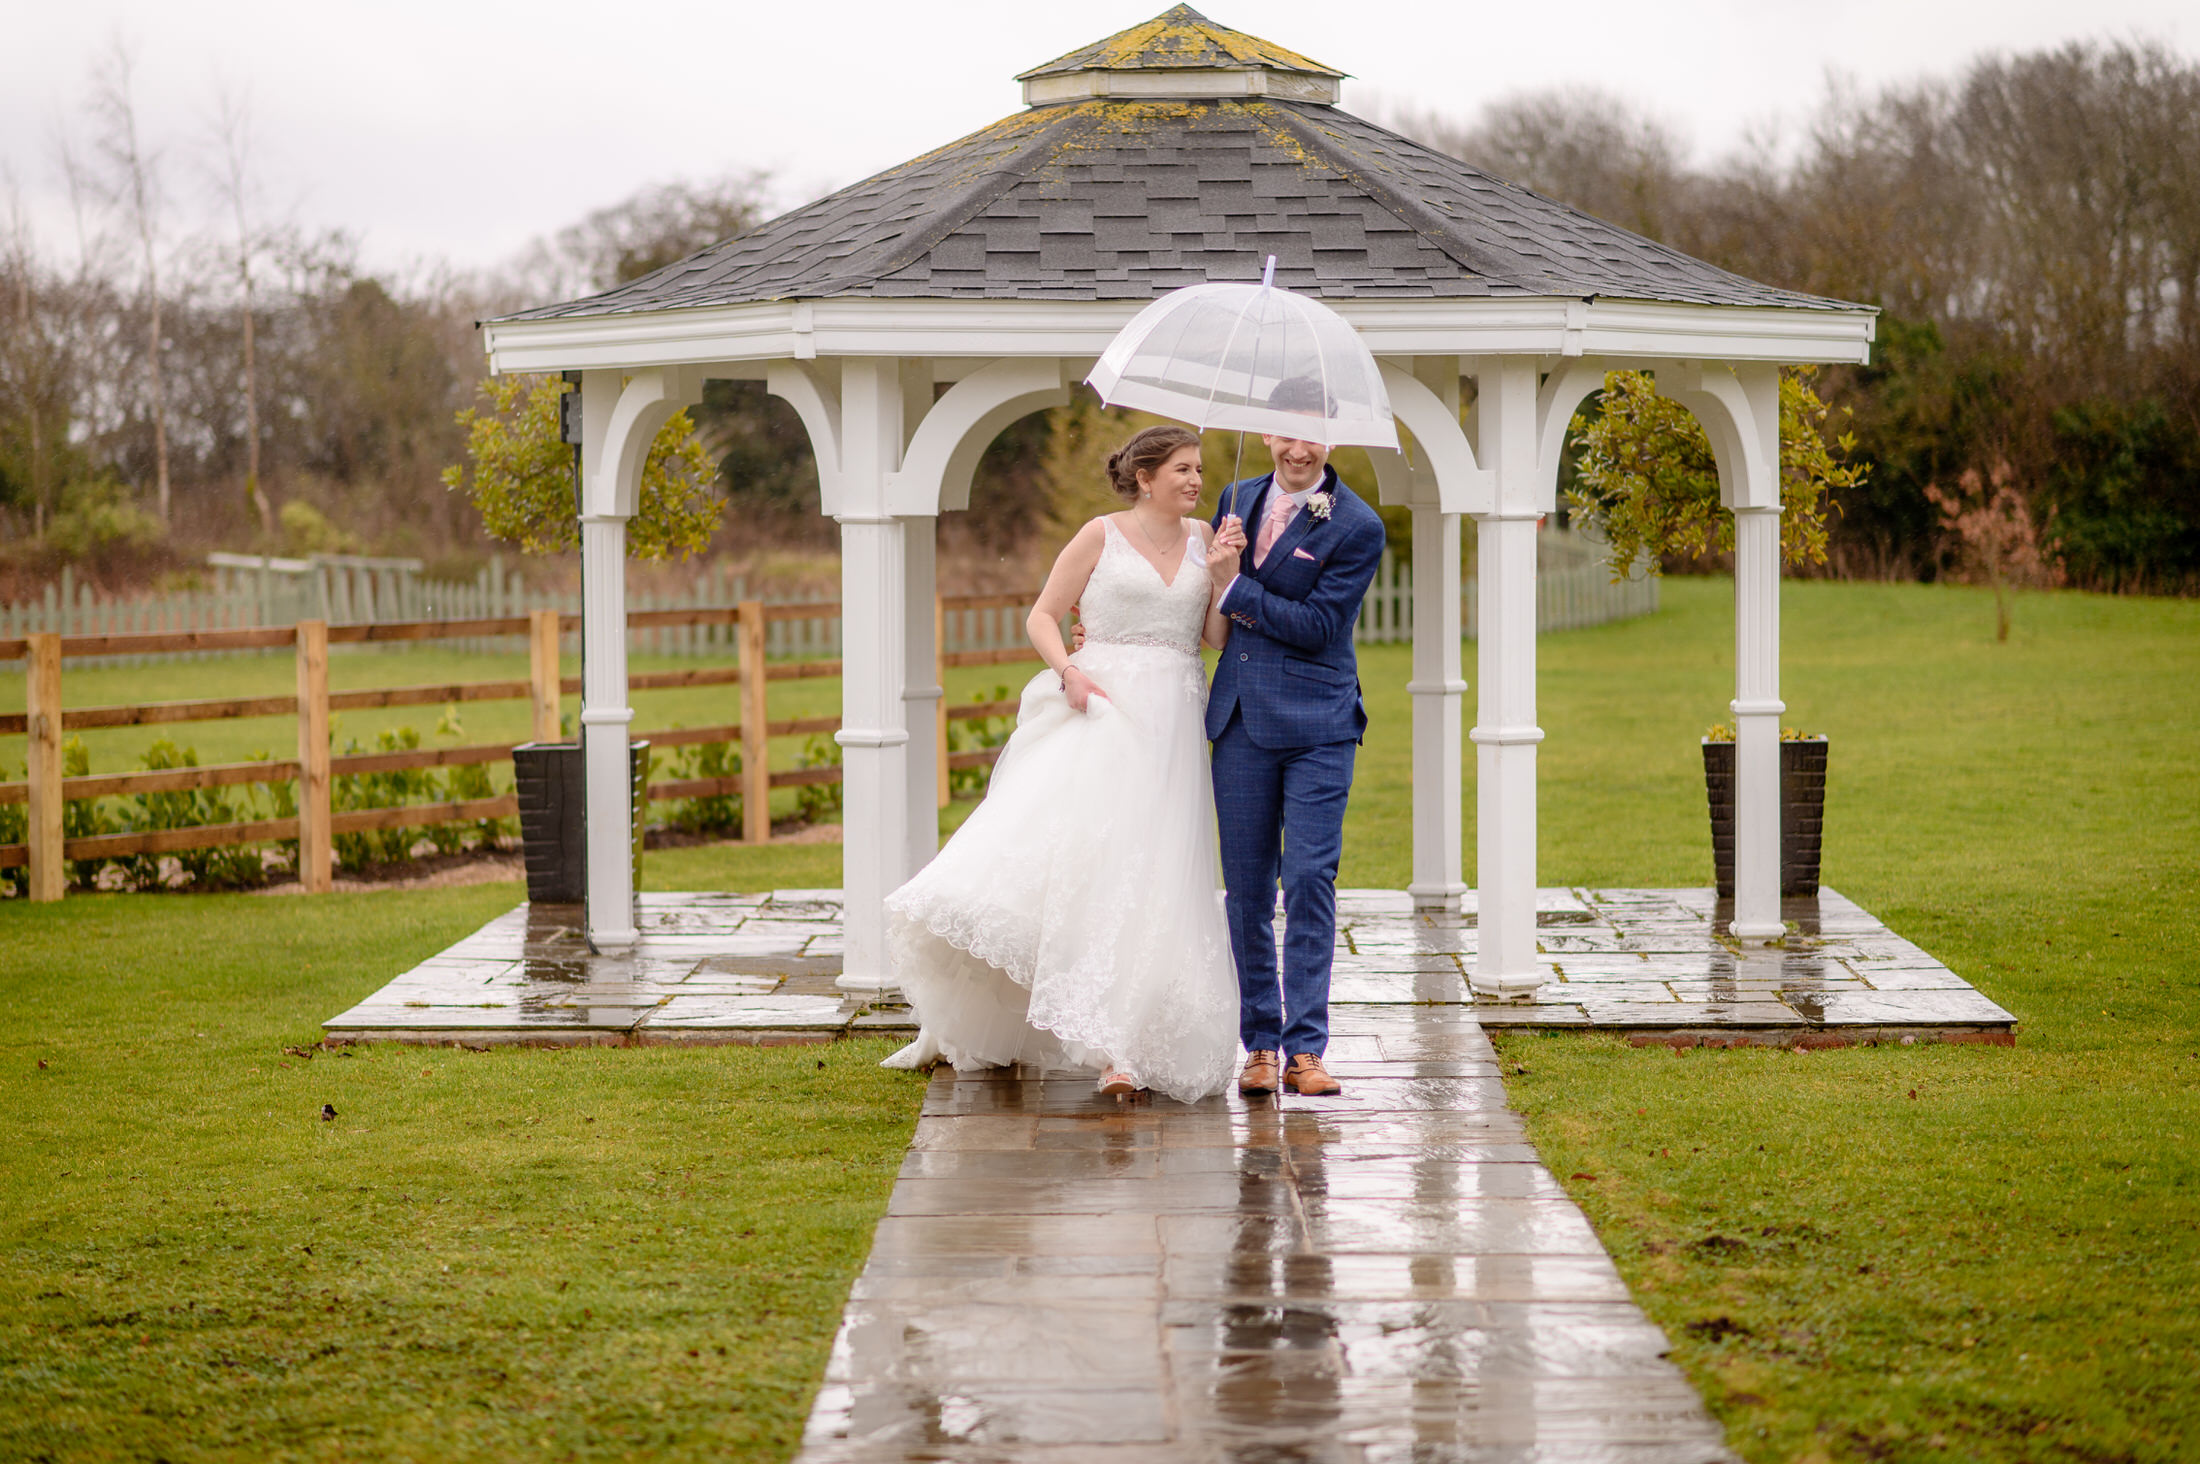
(1224, 553)
(1079, 688)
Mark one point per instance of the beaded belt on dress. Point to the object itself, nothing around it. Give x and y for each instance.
(1159, 642)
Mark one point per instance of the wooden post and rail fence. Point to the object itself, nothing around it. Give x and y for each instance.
(45, 723)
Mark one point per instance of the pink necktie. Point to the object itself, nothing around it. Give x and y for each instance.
(1271, 527)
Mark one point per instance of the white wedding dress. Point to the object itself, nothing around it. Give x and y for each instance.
(1076, 918)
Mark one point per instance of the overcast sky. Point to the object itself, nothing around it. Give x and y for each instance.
(458, 130)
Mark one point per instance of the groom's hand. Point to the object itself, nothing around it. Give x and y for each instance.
(1224, 554)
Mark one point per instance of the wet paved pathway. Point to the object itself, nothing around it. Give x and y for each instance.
(1385, 1275)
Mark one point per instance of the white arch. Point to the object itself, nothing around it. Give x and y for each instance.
(1560, 396)
(1462, 486)
(1739, 408)
(943, 453)
(815, 397)
(645, 404)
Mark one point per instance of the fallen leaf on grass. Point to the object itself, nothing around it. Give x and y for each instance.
(1584, 1174)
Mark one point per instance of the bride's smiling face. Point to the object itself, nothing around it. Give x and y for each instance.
(1175, 485)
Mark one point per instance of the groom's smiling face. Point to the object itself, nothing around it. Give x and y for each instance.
(1299, 464)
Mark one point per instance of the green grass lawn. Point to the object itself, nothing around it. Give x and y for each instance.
(1928, 1253)
(503, 1255)
(1999, 1267)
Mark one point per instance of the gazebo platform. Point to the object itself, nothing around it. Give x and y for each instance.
(758, 968)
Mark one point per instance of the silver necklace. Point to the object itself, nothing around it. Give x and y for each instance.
(1158, 547)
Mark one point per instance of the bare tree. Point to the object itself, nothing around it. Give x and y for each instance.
(20, 353)
(233, 185)
(654, 227)
(1580, 145)
(133, 183)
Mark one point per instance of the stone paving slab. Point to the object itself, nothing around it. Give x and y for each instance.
(762, 968)
(1388, 1274)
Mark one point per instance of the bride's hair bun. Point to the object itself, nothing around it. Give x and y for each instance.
(1144, 454)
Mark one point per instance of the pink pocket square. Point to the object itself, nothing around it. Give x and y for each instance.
(1302, 554)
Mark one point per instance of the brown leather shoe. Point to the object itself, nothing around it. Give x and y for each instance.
(1259, 1078)
(1309, 1079)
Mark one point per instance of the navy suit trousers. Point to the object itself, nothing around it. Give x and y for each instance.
(1281, 815)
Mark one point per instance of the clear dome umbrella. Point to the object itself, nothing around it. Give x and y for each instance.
(1254, 358)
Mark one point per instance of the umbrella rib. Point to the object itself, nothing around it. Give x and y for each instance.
(1321, 364)
(1216, 384)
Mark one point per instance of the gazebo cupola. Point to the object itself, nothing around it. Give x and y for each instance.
(1180, 54)
(908, 318)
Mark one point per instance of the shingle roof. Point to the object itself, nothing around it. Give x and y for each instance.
(1111, 199)
(1181, 37)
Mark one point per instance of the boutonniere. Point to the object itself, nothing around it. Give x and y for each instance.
(1321, 504)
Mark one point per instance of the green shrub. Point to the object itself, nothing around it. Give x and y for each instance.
(391, 789)
(818, 802)
(15, 828)
(245, 866)
(232, 866)
(973, 736)
(719, 814)
(98, 518)
(307, 530)
(402, 786)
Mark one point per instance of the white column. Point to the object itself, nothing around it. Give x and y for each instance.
(606, 721)
(921, 691)
(1757, 708)
(1505, 732)
(874, 730)
(1739, 407)
(620, 417)
(1437, 689)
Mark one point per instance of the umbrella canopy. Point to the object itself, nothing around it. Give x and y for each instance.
(1252, 358)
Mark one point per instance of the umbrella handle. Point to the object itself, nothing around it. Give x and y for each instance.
(1235, 467)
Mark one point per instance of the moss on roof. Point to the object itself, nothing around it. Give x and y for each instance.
(1180, 39)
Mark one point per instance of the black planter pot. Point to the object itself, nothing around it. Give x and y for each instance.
(553, 822)
(1802, 813)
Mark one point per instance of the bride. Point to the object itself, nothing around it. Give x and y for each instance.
(1074, 920)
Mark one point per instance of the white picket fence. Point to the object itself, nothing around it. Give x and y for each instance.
(351, 590)
(1573, 589)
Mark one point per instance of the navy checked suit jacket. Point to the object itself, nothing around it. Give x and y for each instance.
(1289, 667)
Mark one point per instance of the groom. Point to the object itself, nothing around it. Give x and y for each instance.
(1285, 718)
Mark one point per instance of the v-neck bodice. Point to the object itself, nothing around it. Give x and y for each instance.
(1127, 602)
